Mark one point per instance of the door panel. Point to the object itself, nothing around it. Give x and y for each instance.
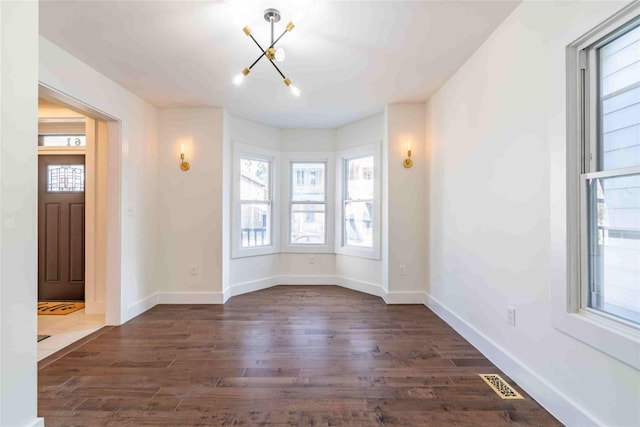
(76, 250)
(52, 241)
(61, 228)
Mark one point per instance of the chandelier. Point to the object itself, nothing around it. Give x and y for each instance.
(271, 53)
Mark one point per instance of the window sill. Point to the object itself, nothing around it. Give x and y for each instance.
(251, 252)
(359, 253)
(615, 339)
(307, 249)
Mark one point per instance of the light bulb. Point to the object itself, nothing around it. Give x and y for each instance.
(280, 55)
(295, 90)
(238, 79)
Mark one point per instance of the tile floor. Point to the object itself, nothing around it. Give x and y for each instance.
(65, 330)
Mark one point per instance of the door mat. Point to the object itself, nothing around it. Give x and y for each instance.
(59, 307)
(43, 337)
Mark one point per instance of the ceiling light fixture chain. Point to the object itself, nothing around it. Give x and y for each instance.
(272, 16)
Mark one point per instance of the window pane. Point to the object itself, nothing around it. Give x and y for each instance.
(359, 178)
(308, 182)
(619, 67)
(614, 246)
(307, 224)
(358, 227)
(254, 179)
(255, 224)
(62, 140)
(65, 178)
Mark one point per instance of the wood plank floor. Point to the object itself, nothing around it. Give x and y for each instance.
(289, 355)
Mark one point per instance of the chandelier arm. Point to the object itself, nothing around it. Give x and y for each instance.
(263, 54)
(258, 44)
(277, 69)
(256, 61)
(278, 39)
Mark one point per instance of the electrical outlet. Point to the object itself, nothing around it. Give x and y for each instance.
(193, 270)
(511, 316)
(312, 259)
(402, 269)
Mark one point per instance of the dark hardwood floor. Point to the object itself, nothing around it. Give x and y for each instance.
(289, 355)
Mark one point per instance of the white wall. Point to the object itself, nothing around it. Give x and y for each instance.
(493, 130)
(361, 273)
(302, 140)
(137, 157)
(227, 159)
(405, 206)
(194, 208)
(187, 199)
(190, 204)
(367, 131)
(258, 270)
(251, 133)
(18, 213)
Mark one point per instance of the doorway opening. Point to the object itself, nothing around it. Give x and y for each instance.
(72, 225)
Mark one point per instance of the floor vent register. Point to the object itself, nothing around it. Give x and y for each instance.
(500, 386)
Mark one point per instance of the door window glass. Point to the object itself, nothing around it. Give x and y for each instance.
(65, 178)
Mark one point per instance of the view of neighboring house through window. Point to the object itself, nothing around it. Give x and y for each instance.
(358, 202)
(308, 203)
(611, 175)
(255, 202)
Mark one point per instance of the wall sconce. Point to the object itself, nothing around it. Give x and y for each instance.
(184, 166)
(407, 163)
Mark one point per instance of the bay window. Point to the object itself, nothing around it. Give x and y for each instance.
(308, 203)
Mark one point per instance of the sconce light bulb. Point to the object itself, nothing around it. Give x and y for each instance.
(295, 90)
(184, 165)
(280, 55)
(238, 79)
(409, 145)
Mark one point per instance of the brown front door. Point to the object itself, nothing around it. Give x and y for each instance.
(61, 228)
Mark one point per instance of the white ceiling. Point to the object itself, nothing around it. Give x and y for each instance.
(349, 58)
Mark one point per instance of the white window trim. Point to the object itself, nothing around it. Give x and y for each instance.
(341, 157)
(620, 340)
(240, 151)
(287, 177)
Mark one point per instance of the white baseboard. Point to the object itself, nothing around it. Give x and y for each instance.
(563, 408)
(408, 297)
(145, 304)
(307, 280)
(139, 307)
(38, 422)
(190, 298)
(252, 286)
(256, 285)
(360, 286)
